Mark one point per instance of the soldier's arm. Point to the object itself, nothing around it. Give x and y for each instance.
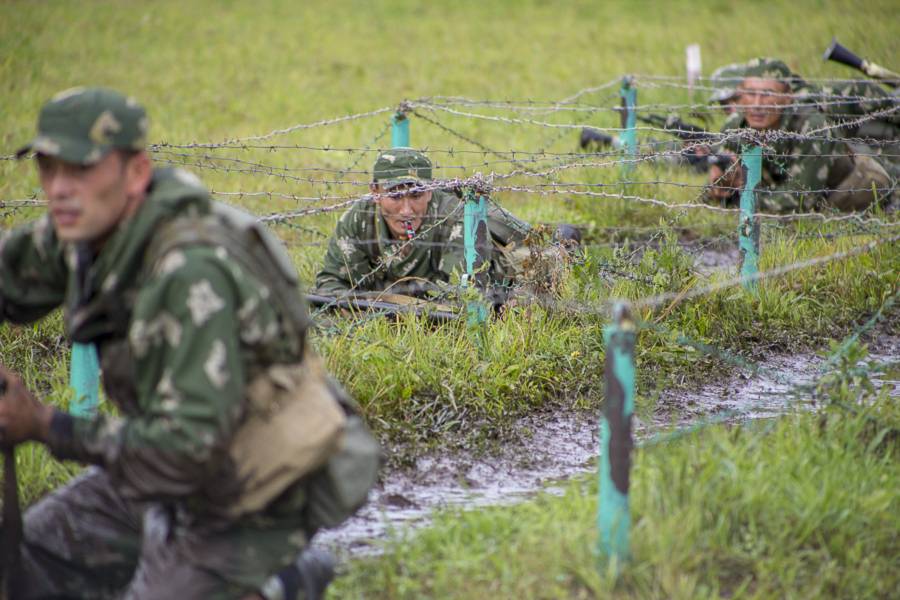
(186, 338)
(724, 174)
(448, 236)
(346, 260)
(506, 227)
(808, 166)
(33, 272)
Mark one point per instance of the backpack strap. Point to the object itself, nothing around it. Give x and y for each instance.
(256, 249)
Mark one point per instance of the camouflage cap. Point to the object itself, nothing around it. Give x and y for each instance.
(769, 68)
(81, 125)
(399, 166)
(724, 81)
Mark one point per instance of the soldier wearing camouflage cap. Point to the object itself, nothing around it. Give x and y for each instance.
(408, 234)
(808, 167)
(724, 82)
(190, 330)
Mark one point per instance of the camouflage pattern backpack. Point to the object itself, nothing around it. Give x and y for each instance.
(300, 426)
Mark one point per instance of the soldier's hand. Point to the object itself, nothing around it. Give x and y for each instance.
(698, 149)
(724, 182)
(22, 416)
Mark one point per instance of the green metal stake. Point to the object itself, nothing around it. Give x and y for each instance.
(748, 231)
(613, 518)
(628, 119)
(477, 244)
(400, 130)
(84, 376)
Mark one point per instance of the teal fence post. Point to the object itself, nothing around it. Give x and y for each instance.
(748, 231)
(477, 246)
(628, 119)
(84, 378)
(400, 130)
(613, 517)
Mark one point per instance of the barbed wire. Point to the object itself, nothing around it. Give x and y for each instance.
(276, 132)
(795, 387)
(811, 100)
(655, 301)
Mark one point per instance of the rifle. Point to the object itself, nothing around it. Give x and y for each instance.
(839, 53)
(386, 308)
(693, 134)
(11, 557)
(589, 136)
(674, 125)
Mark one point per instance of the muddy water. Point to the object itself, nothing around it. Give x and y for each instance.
(553, 447)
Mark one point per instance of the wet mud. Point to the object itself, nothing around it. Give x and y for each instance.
(552, 447)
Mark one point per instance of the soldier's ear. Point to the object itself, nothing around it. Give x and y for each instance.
(376, 191)
(138, 172)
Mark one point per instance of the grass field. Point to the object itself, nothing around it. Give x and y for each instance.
(801, 507)
(213, 71)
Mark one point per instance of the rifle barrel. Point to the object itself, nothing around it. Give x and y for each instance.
(388, 308)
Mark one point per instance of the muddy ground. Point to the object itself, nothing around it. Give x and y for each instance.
(552, 447)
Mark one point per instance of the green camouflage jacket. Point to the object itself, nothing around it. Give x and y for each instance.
(849, 100)
(177, 344)
(363, 256)
(795, 171)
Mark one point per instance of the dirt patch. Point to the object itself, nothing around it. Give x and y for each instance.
(551, 447)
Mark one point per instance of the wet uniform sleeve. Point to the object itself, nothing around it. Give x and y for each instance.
(185, 336)
(33, 272)
(347, 261)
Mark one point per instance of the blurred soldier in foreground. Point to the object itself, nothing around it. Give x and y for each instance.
(805, 166)
(409, 238)
(209, 481)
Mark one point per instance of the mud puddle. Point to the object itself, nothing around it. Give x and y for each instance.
(556, 446)
(709, 259)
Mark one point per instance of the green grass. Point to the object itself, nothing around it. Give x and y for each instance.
(210, 71)
(801, 507)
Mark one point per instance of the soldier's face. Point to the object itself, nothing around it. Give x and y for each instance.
(762, 101)
(86, 202)
(401, 207)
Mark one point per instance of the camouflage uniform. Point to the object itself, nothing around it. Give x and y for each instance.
(851, 101)
(363, 255)
(723, 82)
(178, 342)
(802, 174)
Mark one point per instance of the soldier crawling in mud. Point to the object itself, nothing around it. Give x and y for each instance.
(200, 328)
(807, 167)
(409, 238)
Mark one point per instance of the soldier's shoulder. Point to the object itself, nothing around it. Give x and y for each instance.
(37, 234)
(358, 219)
(173, 183)
(805, 119)
(194, 261)
(444, 201)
